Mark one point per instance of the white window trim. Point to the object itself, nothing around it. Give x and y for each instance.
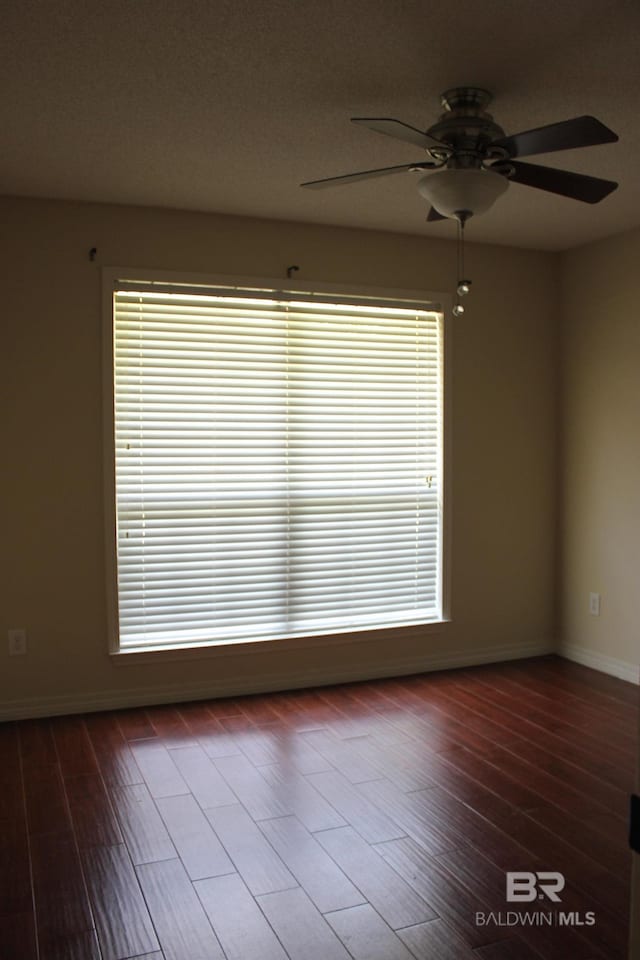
(440, 302)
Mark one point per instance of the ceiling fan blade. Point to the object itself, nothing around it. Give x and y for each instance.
(363, 175)
(434, 215)
(567, 184)
(399, 130)
(566, 135)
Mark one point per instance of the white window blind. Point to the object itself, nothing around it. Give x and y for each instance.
(278, 465)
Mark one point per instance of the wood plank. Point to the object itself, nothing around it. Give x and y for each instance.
(144, 832)
(151, 956)
(135, 725)
(73, 747)
(322, 879)
(259, 707)
(515, 949)
(238, 921)
(75, 946)
(437, 939)
(94, 820)
(62, 907)
(11, 793)
(301, 798)
(45, 797)
(298, 721)
(122, 920)
(606, 742)
(491, 797)
(371, 693)
(568, 780)
(46, 802)
(316, 712)
(395, 760)
(531, 744)
(350, 720)
(290, 701)
(392, 897)
(343, 756)
(203, 778)
(301, 929)
(225, 707)
(447, 899)
(514, 792)
(607, 849)
(18, 937)
(259, 865)
(366, 936)
(509, 676)
(15, 870)
(374, 825)
(278, 743)
(115, 759)
(499, 844)
(160, 773)
(36, 742)
(415, 821)
(239, 726)
(208, 731)
(198, 847)
(618, 692)
(439, 730)
(438, 724)
(257, 795)
(178, 916)
(169, 726)
(602, 758)
(293, 751)
(563, 687)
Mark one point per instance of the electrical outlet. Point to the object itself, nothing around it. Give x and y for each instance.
(594, 604)
(17, 642)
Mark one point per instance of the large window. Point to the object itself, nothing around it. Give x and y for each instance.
(278, 464)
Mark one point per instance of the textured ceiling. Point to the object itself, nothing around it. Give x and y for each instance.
(227, 105)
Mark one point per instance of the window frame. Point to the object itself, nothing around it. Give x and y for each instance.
(438, 302)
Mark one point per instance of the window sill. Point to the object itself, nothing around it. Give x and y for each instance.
(234, 648)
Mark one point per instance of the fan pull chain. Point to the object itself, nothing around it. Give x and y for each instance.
(463, 286)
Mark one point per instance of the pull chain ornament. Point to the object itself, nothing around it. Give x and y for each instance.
(463, 286)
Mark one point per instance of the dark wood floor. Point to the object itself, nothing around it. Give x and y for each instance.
(370, 820)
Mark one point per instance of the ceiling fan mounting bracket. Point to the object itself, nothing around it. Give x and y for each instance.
(466, 99)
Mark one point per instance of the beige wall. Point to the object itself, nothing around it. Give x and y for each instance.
(634, 934)
(600, 501)
(504, 445)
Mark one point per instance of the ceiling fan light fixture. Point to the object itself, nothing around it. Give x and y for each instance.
(458, 191)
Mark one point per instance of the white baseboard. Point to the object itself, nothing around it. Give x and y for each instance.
(599, 661)
(176, 693)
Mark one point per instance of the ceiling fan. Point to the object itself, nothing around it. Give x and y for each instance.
(474, 160)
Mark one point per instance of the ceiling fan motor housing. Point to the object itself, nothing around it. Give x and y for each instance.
(466, 128)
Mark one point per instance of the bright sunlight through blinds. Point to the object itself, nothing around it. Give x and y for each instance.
(278, 465)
